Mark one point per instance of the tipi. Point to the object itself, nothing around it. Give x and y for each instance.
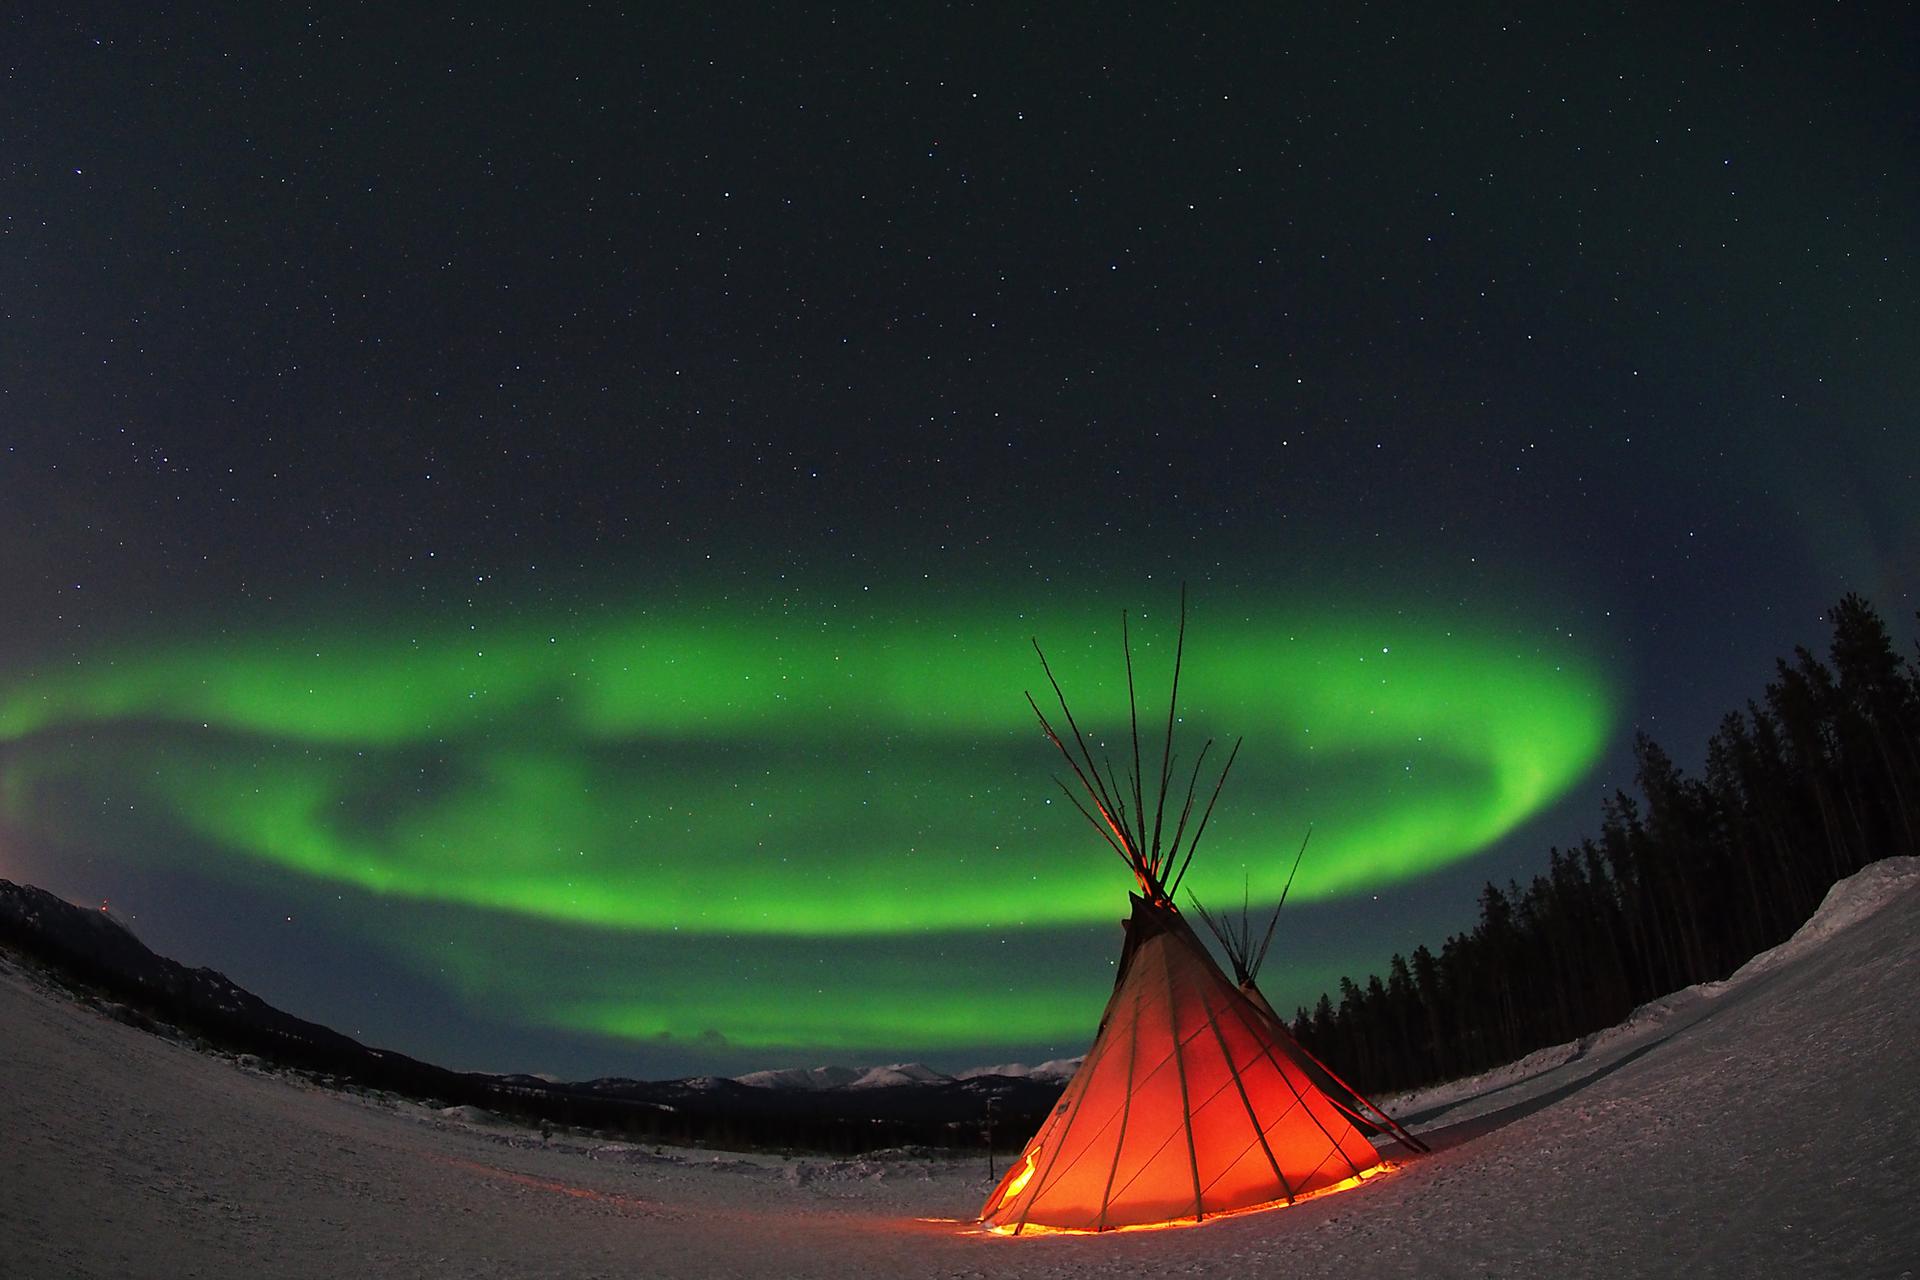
(1191, 1101)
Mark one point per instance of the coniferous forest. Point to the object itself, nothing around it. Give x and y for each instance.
(1685, 882)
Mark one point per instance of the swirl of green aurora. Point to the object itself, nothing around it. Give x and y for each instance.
(734, 772)
(728, 774)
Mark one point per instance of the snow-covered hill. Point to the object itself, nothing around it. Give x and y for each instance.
(1057, 1069)
(801, 1078)
(902, 1074)
(1763, 1127)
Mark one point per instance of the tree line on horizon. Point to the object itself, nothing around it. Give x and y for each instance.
(1686, 881)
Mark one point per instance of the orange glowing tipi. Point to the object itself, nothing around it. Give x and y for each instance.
(1191, 1101)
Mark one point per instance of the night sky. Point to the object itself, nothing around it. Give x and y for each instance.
(521, 534)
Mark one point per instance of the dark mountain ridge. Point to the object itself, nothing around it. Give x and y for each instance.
(101, 962)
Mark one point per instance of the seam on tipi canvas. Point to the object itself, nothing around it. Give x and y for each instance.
(1126, 1111)
(1186, 1106)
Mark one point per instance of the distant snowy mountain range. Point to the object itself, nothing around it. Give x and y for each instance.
(101, 944)
(839, 1109)
(815, 1079)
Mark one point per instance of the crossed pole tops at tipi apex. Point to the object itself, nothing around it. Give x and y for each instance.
(1193, 1101)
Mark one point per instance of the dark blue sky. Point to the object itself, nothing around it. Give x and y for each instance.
(1596, 326)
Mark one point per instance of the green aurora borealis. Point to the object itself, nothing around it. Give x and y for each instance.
(806, 814)
(519, 539)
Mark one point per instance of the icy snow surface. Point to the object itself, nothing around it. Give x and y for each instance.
(1764, 1126)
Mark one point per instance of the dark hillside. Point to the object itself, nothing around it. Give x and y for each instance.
(100, 961)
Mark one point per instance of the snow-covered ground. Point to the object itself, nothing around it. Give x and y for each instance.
(1764, 1126)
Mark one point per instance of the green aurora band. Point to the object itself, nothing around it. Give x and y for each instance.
(649, 780)
(924, 993)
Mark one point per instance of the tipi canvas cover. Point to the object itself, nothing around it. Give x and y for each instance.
(1187, 1105)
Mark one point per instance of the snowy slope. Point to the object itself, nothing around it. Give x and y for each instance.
(1764, 1129)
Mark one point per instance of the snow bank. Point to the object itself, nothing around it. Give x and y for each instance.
(1854, 899)
(1847, 903)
